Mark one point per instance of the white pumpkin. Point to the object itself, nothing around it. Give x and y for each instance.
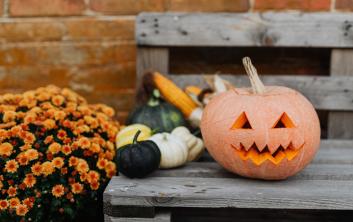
(195, 144)
(174, 151)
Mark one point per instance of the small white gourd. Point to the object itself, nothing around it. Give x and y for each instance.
(174, 151)
(195, 144)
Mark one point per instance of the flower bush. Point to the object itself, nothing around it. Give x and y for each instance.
(56, 154)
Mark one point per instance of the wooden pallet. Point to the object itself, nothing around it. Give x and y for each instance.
(203, 191)
(156, 33)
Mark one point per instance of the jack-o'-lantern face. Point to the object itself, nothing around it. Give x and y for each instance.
(275, 149)
(268, 135)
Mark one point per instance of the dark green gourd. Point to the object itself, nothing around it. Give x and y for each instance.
(159, 115)
(138, 159)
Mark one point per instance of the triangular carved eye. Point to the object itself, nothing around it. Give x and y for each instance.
(242, 122)
(284, 122)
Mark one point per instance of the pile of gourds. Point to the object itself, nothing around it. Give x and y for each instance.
(157, 133)
(263, 132)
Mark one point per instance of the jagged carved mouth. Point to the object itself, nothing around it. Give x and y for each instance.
(258, 157)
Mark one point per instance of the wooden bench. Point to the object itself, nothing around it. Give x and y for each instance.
(203, 191)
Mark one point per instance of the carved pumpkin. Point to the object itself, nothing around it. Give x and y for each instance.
(267, 132)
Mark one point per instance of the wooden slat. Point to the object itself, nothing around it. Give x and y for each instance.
(160, 217)
(340, 124)
(151, 59)
(214, 170)
(258, 215)
(231, 192)
(328, 93)
(245, 29)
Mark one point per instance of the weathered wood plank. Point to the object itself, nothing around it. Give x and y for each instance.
(327, 93)
(151, 59)
(128, 211)
(245, 29)
(340, 124)
(160, 217)
(257, 215)
(214, 170)
(231, 192)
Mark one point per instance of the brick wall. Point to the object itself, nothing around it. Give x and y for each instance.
(89, 46)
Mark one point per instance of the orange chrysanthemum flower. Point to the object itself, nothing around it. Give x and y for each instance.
(25, 147)
(73, 161)
(12, 191)
(95, 148)
(49, 123)
(22, 159)
(54, 148)
(28, 202)
(29, 118)
(14, 202)
(83, 177)
(21, 210)
(29, 138)
(66, 149)
(58, 100)
(30, 180)
(92, 176)
(109, 155)
(61, 134)
(110, 166)
(84, 143)
(36, 169)
(82, 166)
(4, 204)
(47, 168)
(58, 162)
(94, 185)
(76, 188)
(48, 139)
(15, 130)
(58, 190)
(6, 149)
(101, 163)
(11, 166)
(32, 154)
(59, 115)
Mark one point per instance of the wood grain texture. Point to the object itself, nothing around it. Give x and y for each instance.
(151, 59)
(231, 192)
(328, 93)
(340, 124)
(245, 29)
(257, 215)
(213, 170)
(160, 217)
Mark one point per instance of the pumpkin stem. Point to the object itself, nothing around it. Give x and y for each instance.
(257, 86)
(134, 141)
(155, 97)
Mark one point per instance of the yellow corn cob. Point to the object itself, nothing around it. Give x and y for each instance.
(193, 90)
(174, 94)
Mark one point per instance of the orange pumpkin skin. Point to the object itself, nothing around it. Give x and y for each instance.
(228, 142)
